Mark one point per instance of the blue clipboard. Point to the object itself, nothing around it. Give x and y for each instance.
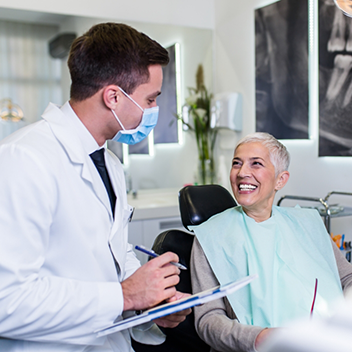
(173, 307)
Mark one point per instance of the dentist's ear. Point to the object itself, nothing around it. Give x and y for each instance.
(111, 96)
(282, 180)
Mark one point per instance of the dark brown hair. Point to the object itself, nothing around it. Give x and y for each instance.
(112, 53)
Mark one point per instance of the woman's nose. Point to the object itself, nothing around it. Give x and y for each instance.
(243, 171)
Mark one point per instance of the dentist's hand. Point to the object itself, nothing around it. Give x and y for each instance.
(152, 283)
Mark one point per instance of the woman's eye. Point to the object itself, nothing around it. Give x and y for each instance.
(151, 101)
(235, 163)
(257, 163)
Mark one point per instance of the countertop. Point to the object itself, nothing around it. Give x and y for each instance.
(155, 203)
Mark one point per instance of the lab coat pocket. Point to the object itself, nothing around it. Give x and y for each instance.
(122, 219)
(128, 215)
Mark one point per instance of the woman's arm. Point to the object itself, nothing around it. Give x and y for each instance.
(344, 268)
(215, 321)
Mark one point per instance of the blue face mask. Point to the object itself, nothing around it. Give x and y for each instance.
(149, 120)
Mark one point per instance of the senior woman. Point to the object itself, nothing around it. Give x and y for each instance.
(289, 248)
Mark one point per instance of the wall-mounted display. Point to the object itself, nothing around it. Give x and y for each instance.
(281, 59)
(166, 131)
(335, 81)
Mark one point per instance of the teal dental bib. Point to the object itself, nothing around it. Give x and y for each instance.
(289, 251)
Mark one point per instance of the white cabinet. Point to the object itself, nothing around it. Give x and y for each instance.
(143, 232)
(155, 212)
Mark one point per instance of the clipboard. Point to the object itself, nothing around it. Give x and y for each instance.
(173, 307)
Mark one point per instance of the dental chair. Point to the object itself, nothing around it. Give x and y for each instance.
(197, 204)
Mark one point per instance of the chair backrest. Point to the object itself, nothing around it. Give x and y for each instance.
(179, 242)
(199, 203)
(184, 337)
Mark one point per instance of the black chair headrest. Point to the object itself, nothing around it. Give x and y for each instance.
(179, 242)
(199, 203)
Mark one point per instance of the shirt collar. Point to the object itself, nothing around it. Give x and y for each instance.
(88, 142)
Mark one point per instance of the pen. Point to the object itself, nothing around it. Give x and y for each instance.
(153, 254)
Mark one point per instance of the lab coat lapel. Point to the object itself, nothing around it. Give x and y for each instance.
(90, 173)
(58, 122)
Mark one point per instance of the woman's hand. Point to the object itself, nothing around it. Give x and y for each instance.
(172, 320)
(262, 336)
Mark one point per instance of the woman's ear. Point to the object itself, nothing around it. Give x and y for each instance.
(111, 96)
(282, 180)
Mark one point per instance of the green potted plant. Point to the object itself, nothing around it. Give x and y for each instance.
(197, 117)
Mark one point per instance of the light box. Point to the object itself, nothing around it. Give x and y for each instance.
(227, 111)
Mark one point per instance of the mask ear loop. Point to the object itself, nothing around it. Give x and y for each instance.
(130, 98)
(118, 120)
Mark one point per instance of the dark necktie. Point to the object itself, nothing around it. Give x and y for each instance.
(99, 162)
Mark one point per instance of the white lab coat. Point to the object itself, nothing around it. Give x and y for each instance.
(58, 280)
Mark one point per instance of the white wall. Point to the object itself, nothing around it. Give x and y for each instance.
(195, 13)
(235, 71)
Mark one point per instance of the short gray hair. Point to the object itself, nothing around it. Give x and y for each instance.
(279, 155)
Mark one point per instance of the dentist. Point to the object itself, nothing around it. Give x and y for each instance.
(66, 267)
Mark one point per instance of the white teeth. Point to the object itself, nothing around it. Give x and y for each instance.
(246, 187)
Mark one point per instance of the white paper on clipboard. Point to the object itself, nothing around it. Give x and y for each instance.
(173, 307)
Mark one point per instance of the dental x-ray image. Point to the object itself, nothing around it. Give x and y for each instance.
(166, 129)
(335, 81)
(281, 38)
